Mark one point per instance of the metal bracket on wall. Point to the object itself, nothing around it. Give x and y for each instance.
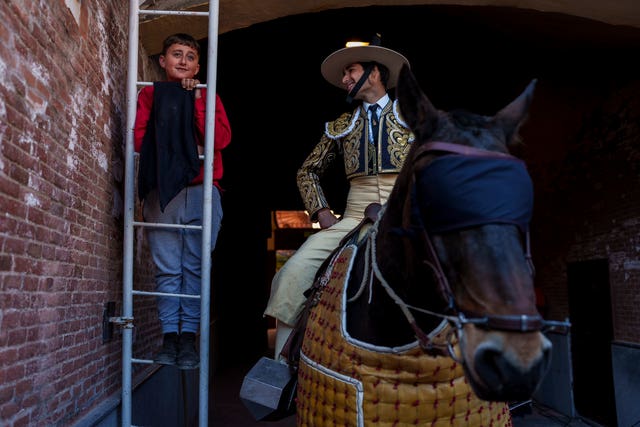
(107, 326)
(123, 322)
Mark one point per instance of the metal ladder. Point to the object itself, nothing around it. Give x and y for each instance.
(126, 321)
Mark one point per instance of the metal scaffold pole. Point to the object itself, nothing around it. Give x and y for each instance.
(205, 295)
(129, 206)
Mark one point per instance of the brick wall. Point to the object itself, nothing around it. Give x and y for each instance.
(586, 167)
(62, 127)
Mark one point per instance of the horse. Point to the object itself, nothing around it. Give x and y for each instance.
(427, 315)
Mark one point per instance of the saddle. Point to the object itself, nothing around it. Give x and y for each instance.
(291, 349)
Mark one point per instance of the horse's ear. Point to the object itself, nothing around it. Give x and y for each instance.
(415, 107)
(513, 115)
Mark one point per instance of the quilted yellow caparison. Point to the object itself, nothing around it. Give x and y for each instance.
(347, 383)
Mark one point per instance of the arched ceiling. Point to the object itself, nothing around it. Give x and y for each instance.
(236, 14)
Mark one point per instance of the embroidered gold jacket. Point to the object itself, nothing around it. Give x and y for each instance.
(348, 137)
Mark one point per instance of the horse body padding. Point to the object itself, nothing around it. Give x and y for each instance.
(347, 383)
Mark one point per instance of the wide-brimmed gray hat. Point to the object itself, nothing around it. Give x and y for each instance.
(335, 63)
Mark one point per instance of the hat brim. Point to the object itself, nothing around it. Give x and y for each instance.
(333, 66)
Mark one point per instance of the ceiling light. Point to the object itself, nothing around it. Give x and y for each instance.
(354, 44)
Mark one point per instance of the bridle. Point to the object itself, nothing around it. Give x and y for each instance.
(512, 322)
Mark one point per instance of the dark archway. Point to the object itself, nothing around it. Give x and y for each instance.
(269, 79)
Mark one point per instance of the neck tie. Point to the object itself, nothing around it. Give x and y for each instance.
(373, 117)
(373, 138)
(373, 111)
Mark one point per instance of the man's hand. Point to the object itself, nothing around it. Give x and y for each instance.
(325, 218)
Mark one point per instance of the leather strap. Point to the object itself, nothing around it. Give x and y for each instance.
(358, 85)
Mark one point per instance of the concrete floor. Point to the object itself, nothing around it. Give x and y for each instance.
(227, 410)
(536, 415)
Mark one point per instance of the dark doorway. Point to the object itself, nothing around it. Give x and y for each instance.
(591, 336)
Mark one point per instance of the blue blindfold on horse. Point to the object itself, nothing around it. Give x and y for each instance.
(466, 191)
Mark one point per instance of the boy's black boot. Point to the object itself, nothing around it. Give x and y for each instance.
(169, 352)
(188, 357)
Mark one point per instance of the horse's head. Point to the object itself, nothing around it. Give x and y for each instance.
(463, 195)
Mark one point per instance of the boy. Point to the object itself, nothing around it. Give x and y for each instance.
(169, 134)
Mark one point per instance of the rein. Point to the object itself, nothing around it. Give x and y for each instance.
(512, 323)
